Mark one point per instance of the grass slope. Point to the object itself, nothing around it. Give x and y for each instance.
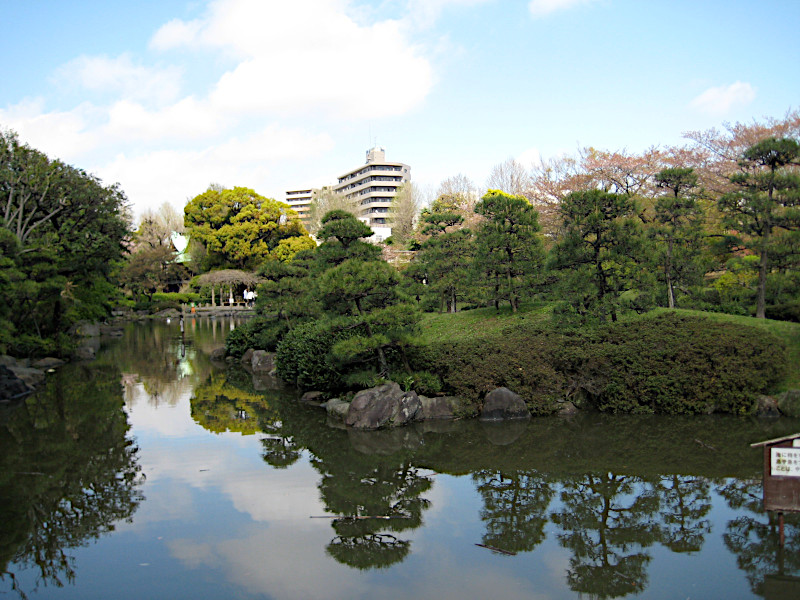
(486, 323)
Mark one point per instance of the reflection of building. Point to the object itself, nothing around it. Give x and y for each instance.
(300, 201)
(371, 187)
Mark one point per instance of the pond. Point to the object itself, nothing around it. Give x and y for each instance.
(152, 473)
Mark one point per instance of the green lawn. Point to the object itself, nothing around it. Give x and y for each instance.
(487, 322)
(478, 323)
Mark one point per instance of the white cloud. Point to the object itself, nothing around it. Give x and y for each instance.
(176, 175)
(529, 157)
(123, 77)
(425, 13)
(542, 8)
(60, 134)
(720, 100)
(314, 59)
(174, 34)
(304, 57)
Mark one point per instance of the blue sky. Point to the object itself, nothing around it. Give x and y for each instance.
(167, 96)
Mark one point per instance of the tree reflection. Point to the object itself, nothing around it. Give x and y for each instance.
(219, 405)
(755, 538)
(607, 522)
(368, 488)
(68, 473)
(515, 508)
(685, 503)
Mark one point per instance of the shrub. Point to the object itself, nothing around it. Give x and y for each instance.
(519, 360)
(303, 356)
(685, 365)
(259, 333)
(784, 312)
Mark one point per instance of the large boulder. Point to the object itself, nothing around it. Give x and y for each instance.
(86, 329)
(11, 386)
(218, 354)
(441, 407)
(32, 377)
(262, 361)
(247, 357)
(501, 404)
(337, 409)
(789, 403)
(383, 406)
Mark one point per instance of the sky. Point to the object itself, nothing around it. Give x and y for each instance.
(166, 97)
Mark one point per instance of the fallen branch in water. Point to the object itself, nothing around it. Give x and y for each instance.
(356, 517)
(500, 550)
(704, 445)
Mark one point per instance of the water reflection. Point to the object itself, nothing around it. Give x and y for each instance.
(594, 505)
(69, 473)
(515, 508)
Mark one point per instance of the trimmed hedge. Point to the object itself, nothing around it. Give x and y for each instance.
(687, 365)
(667, 364)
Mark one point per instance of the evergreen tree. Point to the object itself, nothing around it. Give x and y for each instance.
(677, 225)
(768, 199)
(509, 245)
(598, 252)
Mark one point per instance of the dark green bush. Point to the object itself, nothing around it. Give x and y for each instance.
(518, 360)
(303, 356)
(666, 364)
(685, 365)
(789, 311)
(259, 333)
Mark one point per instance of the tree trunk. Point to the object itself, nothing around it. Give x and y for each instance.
(668, 274)
(761, 297)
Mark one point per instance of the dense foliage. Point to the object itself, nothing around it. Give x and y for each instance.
(61, 238)
(239, 228)
(665, 364)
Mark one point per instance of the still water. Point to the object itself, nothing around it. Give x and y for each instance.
(151, 473)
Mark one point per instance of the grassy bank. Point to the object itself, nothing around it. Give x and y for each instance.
(664, 361)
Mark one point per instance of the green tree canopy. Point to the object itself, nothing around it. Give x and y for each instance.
(509, 246)
(238, 227)
(768, 199)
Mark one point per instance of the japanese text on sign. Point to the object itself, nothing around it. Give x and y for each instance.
(785, 462)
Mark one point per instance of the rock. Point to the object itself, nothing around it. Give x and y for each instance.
(409, 409)
(83, 353)
(314, 398)
(337, 409)
(567, 409)
(263, 361)
(11, 386)
(789, 403)
(218, 354)
(383, 406)
(86, 329)
(441, 407)
(32, 377)
(502, 403)
(168, 313)
(247, 357)
(767, 406)
(47, 363)
(7, 361)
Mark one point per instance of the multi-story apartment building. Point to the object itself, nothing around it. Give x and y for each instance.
(300, 201)
(371, 187)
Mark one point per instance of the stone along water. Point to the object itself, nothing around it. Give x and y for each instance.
(153, 473)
